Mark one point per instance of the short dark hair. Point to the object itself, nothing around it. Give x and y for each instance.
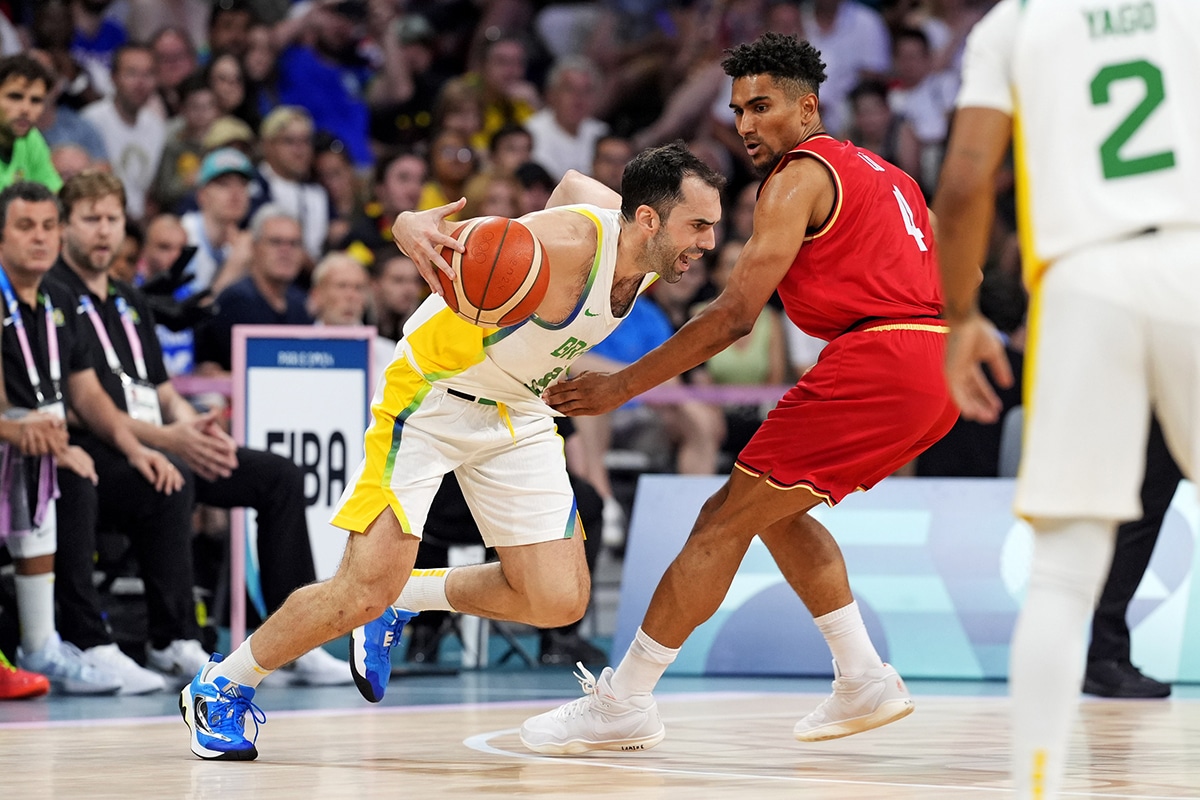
(655, 178)
(129, 47)
(384, 163)
(193, 84)
(531, 174)
(510, 129)
(870, 87)
(916, 34)
(135, 232)
(25, 66)
(28, 191)
(785, 58)
(382, 255)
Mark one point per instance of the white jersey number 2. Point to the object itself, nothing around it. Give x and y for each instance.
(909, 224)
(1116, 165)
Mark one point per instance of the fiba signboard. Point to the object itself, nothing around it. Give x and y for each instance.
(303, 393)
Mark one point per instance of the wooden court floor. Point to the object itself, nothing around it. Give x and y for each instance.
(456, 737)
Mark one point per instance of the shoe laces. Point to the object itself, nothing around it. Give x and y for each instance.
(229, 715)
(577, 707)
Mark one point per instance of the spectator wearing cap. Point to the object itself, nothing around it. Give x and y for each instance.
(222, 248)
(223, 196)
(230, 132)
(286, 170)
(180, 162)
(328, 77)
(133, 130)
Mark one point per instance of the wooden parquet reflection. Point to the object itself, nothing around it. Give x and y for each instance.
(717, 746)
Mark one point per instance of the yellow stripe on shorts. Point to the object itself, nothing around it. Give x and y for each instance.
(445, 345)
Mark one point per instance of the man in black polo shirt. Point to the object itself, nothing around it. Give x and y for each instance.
(119, 325)
(47, 368)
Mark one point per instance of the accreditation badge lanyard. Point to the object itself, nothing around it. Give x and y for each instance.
(55, 405)
(141, 399)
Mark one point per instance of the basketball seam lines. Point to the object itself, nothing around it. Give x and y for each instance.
(495, 260)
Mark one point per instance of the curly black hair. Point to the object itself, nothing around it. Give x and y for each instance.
(785, 58)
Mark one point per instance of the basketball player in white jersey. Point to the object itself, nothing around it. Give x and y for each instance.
(1102, 101)
(461, 398)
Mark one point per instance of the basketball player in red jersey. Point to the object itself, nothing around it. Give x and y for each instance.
(846, 240)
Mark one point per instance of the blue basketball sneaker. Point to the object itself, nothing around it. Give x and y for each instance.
(215, 712)
(371, 651)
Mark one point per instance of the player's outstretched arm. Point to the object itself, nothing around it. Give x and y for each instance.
(421, 235)
(795, 193)
(575, 187)
(965, 205)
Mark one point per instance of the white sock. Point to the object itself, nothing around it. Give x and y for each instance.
(1071, 559)
(642, 667)
(239, 667)
(35, 610)
(425, 591)
(847, 638)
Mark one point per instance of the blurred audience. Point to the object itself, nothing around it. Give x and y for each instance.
(268, 295)
(134, 131)
(286, 174)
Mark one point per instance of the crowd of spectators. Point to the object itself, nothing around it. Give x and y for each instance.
(263, 148)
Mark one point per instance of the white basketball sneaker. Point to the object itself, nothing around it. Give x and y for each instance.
(857, 704)
(596, 721)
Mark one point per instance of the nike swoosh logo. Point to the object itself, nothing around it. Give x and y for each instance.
(587, 312)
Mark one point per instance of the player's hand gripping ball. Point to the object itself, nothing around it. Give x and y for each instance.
(501, 277)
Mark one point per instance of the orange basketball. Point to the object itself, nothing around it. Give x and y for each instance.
(502, 276)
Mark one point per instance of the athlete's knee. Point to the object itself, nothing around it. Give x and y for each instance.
(365, 602)
(711, 506)
(1072, 556)
(365, 594)
(818, 542)
(558, 602)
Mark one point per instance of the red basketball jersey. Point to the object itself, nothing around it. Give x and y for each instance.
(873, 258)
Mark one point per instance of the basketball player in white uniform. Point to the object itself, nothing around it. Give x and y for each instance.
(467, 399)
(1102, 101)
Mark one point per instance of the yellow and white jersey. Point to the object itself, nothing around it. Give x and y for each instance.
(1105, 95)
(514, 365)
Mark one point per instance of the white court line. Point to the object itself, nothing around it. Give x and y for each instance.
(317, 713)
(481, 744)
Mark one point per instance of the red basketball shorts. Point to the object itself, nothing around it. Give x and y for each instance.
(875, 400)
